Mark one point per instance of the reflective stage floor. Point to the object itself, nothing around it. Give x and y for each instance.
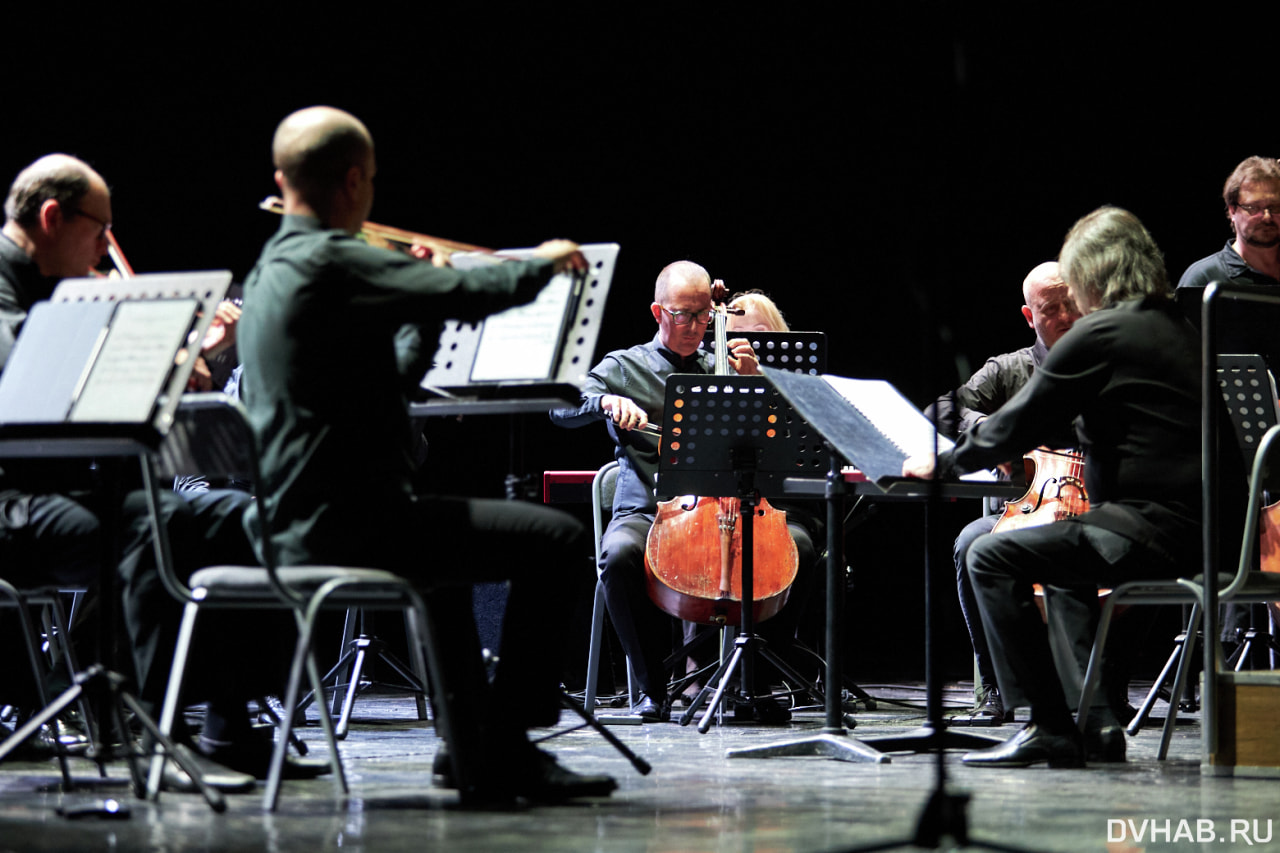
(695, 799)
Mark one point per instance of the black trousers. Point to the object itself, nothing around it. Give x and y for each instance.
(643, 629)
(1072, 559)
(445, 545)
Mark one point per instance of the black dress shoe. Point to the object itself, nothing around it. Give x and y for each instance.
(650, 711)
(1032, 745)
(987, 711)
(533, 774)
(1104, 745)
(253, 756)
(175, 780)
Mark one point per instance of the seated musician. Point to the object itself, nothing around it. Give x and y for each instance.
(55, 227)
(336, 464)
(1129, 372)
(627, 388)
(1050, 312)
(57, 216)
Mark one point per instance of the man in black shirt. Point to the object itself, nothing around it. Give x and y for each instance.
(1251, 196)
(1129, 371)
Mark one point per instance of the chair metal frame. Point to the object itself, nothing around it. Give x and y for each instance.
(602, 488)
(304, 591)
(1245, 585)
(59, 645)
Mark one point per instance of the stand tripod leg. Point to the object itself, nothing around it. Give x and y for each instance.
(721, 681)
(642, 767)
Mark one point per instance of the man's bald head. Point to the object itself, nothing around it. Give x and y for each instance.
(314, 148)
(1049, 308)
(680, 272)
(57, 177)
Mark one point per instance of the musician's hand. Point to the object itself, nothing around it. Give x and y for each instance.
(201, 378)
(222, 331)
(624, 412)
(564, 252)
(426, 253)
(920, 467)
(1005, 468)
(742, 358)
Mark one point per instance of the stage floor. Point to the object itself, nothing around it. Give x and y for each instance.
(695, 799)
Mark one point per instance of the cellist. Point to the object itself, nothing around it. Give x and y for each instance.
(626, 389)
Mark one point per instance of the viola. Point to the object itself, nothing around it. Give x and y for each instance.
(693, 554)
(1269, 546)
(1055, 490)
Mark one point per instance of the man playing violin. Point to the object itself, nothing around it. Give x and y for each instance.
(1129, 372)
(627, 390)
(337, 464)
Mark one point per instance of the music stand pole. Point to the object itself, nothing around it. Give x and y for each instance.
(833, 740)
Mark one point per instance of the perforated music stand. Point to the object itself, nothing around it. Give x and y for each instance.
(100, 371)
(734, 436)
(798, 352)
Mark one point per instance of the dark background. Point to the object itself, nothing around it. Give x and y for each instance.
(888, 178)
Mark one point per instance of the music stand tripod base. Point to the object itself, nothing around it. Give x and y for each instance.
(826, 744)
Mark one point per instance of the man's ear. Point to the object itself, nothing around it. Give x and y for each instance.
(51, 216)
(351, 184)
(279, 179)
(1026, 312)
(656, 310)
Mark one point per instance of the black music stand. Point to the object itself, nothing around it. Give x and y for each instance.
(99, 371)
(856, 430)
(733, 436)
(799, 352)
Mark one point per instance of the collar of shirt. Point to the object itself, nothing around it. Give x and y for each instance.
(683, 363)
(1237, 267)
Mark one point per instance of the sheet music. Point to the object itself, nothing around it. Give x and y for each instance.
(135, 360)
(522, 342)
(891, 413)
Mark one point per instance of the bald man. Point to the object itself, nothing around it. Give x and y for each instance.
(627, 390)
(1050, 312)
(333, 426)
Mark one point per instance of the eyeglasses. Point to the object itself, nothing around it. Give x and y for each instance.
(684, 318)
(106, 226)
(1255, 209)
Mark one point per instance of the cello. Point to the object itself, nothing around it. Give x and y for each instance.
(693, 554)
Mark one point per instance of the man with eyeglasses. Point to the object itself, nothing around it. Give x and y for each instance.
(56, 218)
(627, 390)
(1251, 256)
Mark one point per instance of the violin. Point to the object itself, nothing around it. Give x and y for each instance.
(693, 554)
(398, 239)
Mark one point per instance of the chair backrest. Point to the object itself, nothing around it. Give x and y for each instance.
(1253, 515)
(603, 486)
(211, 435)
